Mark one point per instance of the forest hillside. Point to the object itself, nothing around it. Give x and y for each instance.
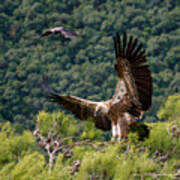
(83, 66)
(38, 140)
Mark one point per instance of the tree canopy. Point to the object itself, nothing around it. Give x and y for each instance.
(83, 66)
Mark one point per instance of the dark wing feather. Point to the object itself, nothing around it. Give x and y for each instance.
(131, 68)
(81, 108)
(46, 33)
(68, 33)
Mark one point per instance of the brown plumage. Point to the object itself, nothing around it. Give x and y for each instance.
(64, 32)
(132, 95)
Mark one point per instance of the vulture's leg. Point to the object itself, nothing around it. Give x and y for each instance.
(115, 131)
(123, 128)
(124, 123)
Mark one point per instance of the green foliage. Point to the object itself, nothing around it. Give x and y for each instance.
(111, 164)
(57, 123)
(140, 130)
(100, 165)
(157, 157)
(160, 138)
(91, 132)
(135, 166)
(5, 171)
(56, 173)
(62, 125)
(163, 139)
(82, 66)
(170, 109)
(30, 167)
(12, 146)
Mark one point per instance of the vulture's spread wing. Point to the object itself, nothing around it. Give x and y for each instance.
(68, 33)
(80, 107)
(134, 78)
(46, 33)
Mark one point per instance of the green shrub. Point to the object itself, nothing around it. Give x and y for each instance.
(57, 123)
(171, 108)
(160, 138)
(29, 167)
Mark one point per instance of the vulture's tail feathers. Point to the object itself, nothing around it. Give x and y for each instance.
(141, 129)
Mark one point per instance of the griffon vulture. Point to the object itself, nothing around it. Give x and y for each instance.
(64, 32)
(132, 96)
